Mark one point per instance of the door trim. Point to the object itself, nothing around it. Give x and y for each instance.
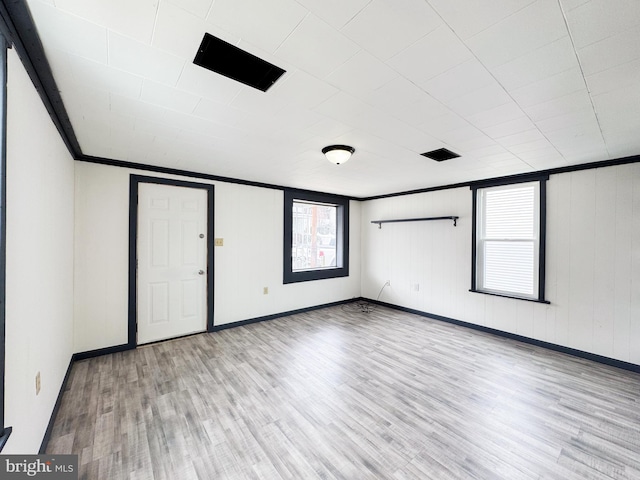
(134, 182)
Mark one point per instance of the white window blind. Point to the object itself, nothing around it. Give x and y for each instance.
(507, 239)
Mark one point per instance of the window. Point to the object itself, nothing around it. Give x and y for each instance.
(316, 236)
(508, 243)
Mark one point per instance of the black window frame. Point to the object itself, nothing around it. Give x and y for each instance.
(342, 236)
(475, 187)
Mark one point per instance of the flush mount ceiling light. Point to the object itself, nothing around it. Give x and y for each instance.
(338, 153)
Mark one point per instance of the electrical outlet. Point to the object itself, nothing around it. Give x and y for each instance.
(37, 383)
(219, 242)
(265, 291)
(416, 287)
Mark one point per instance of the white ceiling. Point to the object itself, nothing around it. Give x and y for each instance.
(513, 86)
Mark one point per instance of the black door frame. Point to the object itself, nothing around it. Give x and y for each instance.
(134, 182)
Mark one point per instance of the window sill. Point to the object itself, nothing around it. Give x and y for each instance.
(536, 300)
(309, 275)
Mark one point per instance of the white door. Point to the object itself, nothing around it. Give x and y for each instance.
(172, 261)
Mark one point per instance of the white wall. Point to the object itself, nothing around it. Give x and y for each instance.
(592, 272)
(250, 220)
(39, 307)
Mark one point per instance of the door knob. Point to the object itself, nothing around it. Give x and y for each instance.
(200, 272)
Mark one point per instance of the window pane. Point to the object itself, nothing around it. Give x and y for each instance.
(510, 213)
(314, 230)
(509, 267)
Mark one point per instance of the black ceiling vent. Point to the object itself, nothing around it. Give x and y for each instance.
(440, 154)
(228, 60)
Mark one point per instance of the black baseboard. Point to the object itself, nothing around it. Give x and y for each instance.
(102, 351)
(56, 407)
(241, 323)
(513, 336)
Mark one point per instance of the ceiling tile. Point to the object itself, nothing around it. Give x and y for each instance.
(620, 76)
(199, 8)
(529, 136)
(527, 30)
(568, 5)
(615, 50)
(459, 81)
(94, 37)
(345, 108)
(568, 120)
(422, 111)
(360, 74)
(178, 31)
(266, 24)
(395, 95)
(439, 51)
(103, 77)
(493, 154)
(86, 102)
(329, 129)
(316, 48)
(532, 146)
(144, 60)
(483, 99)
(302, 89)
(597, 20)
(572, 102)
(511, 127)
(255, 101)
(438, 125)
(576, 135)
(335, 12)
(469, 18)
(620, 106)
(399, 133)
(544, 158)
(137, 23)
(546, 61)
(219, 112)
(168, 97)
(385, 27)
(556, 86)
(207, 84)
(495, 116)
(466, 138)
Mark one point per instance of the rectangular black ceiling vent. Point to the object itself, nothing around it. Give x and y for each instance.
(232, 62)
(440, 154)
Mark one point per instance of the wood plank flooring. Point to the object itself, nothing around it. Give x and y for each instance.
(341, 394)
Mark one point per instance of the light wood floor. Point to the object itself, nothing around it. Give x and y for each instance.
(341, 394)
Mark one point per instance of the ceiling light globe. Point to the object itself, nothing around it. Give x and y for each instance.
(338, 154)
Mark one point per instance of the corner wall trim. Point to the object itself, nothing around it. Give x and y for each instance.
(612, 362)
(56, 407)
